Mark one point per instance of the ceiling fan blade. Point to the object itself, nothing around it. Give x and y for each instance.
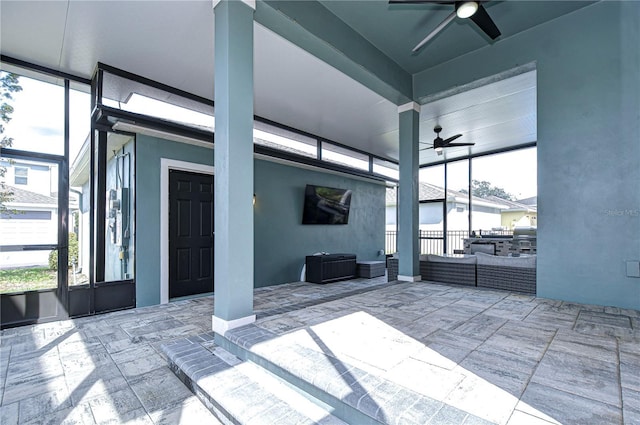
(430, 147)
(485, 23)
(451, 139)
(450, 145)
(437, 29)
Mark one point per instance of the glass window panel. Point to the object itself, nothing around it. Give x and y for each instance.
(457, 205)
(37, 118)
(389, 169)
(79, 229)
(79, 163)
(431, 218)
(79, 118)
(431, 228)
(288, 141)
(21, 175)
(132, 96)
(26, 271)
(391, 215)
(38, 194)
(505, 186)
(433, 175)
(386, 168)
(338, 155)
(391, 228)
(458, 177)
(28, 216)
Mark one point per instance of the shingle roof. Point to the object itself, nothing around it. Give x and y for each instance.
(513, 205)
(532, 201)
(278, 146)
(427, 192)
(22, 196)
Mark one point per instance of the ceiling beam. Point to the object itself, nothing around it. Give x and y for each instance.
(315, 29)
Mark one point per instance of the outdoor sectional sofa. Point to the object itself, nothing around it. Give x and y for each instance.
(515, 274)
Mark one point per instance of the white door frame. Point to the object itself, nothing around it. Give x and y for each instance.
(167, 164)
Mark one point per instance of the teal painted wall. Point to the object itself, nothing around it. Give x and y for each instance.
(282, 242)
(149, 151)
(588, 68)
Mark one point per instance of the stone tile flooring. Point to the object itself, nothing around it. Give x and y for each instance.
(104, 369)
(505, 358)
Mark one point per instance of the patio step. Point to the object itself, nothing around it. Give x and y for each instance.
(355, 395)
(320, 388)
(240, 392)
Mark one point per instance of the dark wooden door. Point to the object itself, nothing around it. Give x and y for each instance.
(190, 233)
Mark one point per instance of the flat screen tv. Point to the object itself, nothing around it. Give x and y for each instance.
(326, 205)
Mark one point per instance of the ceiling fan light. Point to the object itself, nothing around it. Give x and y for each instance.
(438, 149)
(466, 9)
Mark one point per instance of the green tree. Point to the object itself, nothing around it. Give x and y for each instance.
(483, 189)
(9, 84)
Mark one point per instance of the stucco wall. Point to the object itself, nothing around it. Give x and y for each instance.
(149, 151)
(588, 64)
(281, 241)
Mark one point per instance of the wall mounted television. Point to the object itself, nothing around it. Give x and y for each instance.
(326, 205)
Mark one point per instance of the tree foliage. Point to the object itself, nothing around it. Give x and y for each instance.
(9, 84)
(73, 253)
(484, 189)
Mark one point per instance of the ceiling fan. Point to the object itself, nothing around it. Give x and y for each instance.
(462, 9)
(439, 143)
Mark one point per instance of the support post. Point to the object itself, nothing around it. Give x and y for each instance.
(408, 212)
(233, 215)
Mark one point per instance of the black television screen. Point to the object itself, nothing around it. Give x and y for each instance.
(326, 205)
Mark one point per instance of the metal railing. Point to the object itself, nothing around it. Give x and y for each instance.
(390, 242)
(432, 241)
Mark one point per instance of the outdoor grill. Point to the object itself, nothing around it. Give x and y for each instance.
(524, 239)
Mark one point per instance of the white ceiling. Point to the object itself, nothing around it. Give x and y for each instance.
(172, 42)
(494, 116)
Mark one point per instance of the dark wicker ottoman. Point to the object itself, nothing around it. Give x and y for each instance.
(370, 269)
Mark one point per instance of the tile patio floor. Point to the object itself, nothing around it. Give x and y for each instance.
(484, 356)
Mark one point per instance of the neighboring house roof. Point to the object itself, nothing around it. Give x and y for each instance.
(21, 196)
(426, 192)
(532, 201)
(430, 192)
(270, 144)
(513, 205)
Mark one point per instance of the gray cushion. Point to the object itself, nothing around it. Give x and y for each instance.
(499, 260)
(446, 259)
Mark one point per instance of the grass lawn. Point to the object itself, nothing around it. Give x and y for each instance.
(32, 279)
